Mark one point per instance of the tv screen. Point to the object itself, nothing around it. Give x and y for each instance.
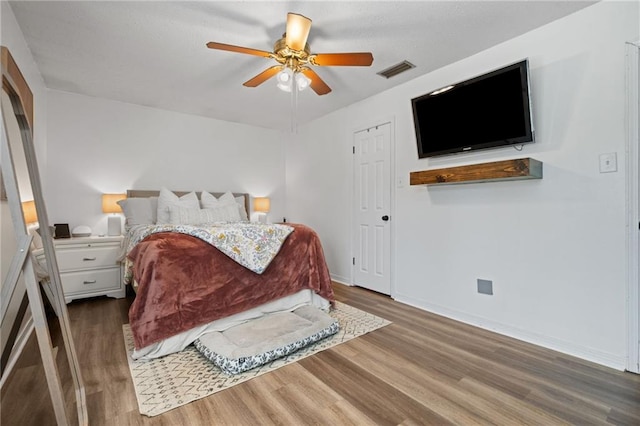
(487, 111)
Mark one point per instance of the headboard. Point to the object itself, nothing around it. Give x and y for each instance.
(144, 193)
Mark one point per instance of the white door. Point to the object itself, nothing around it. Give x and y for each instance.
(372, 212)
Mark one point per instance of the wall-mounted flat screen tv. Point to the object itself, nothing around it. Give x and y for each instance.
(488, 111)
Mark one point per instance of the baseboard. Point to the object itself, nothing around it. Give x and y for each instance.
(341, 280)
(18, 346)
(568, 348)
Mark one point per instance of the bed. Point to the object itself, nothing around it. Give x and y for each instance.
(188, 283)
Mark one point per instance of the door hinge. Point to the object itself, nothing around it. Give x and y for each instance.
(354, 149)
(354, 260)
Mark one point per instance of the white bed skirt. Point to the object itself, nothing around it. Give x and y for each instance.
(180, 341)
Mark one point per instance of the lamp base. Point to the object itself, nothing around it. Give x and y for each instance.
(262, 218)
(114, 226)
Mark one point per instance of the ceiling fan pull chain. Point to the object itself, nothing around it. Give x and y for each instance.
(294, 106)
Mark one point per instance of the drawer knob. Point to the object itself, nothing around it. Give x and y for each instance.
(88, 258)
(89, 282)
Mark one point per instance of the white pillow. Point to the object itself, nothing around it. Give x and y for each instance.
(241, 209)
(139, 211)
(36, 242)
(183, 215)
(168, 198)
(193, 216)
(227, 212)
(228, 197)
(154, 208)
(208, 201)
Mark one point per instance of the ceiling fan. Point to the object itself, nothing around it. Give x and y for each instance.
(295, 58)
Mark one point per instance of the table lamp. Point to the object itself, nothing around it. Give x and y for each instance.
(110, 205)
(262, 206)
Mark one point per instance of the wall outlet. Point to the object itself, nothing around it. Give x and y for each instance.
(485, 286)
(608, 163)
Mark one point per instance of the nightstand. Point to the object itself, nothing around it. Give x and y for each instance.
(88, 266)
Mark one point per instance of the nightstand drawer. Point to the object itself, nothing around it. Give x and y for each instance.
(71, 259)
(88, 266)
(90, 281)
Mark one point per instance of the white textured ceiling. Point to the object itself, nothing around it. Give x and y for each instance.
(153, 53)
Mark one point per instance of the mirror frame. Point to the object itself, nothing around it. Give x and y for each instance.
(14, 84)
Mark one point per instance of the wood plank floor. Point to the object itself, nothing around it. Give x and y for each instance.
(422, 369)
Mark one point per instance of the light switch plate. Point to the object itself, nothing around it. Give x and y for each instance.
(608, 163)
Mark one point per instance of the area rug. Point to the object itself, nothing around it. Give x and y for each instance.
(172, 381)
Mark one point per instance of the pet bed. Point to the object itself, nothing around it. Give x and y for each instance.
(265, 339)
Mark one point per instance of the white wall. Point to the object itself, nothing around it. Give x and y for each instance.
(318, 186)
(554, 248)
(99, 146)
(11, 37)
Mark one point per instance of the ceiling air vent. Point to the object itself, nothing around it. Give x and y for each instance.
(396, 69)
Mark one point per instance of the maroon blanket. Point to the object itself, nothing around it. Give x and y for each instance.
(184, 282)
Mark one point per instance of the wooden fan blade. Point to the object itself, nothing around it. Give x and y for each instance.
(297, 31)
(263, 76)
(357, 59)
(238, 49)
(317, 84)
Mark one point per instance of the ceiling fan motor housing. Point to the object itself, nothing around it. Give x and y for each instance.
(294, 59)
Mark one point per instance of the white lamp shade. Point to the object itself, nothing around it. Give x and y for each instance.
(285, 75)
(302, 81)
(284, 87)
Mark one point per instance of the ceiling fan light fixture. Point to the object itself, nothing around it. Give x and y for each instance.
(284, 87)
(285, 76)
(302, 81)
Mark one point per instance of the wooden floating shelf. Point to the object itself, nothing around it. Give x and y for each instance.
(519, 169)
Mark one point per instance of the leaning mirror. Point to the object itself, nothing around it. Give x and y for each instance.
(23, 280)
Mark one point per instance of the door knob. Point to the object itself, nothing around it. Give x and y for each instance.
(385, 218)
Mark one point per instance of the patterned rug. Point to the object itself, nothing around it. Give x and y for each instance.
(166, 383)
